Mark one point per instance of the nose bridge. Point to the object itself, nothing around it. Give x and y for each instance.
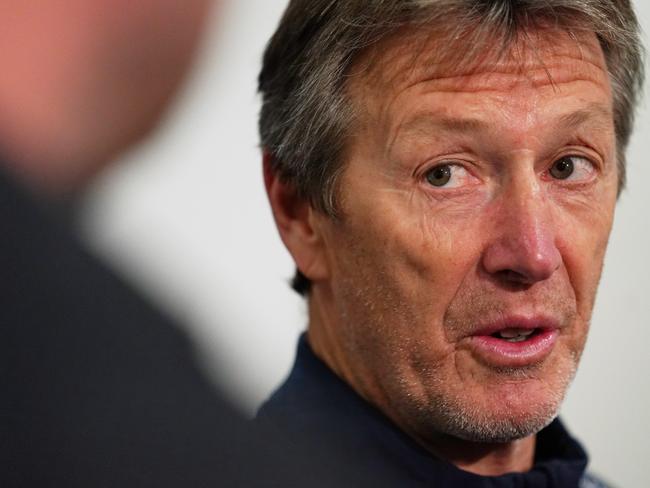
(525, 209)
(523, 246)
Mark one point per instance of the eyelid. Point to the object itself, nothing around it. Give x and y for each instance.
(422, 170)
(583, 152)
(454, 163)
(595, 167)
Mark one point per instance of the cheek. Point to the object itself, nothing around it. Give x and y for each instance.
(437, 250)
(406, 263)
(583, 235)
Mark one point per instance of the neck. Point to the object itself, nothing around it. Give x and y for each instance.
(322, 336)
(486, 459)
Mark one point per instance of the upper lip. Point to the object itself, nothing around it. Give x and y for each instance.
(543, 322)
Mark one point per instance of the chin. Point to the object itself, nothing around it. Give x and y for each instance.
(503, 424)
(502, 412)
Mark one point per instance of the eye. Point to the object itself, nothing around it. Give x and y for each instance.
(440, 175)
(571, 168)
(448, 175)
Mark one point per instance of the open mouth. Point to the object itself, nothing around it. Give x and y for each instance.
(516, 334)
(515, 341)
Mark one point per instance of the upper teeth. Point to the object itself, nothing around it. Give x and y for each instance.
(515, 335)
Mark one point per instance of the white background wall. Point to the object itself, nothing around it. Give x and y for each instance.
(186, 219)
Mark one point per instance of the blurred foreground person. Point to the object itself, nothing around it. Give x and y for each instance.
(82, 80)
(444, 174)
(99, 389)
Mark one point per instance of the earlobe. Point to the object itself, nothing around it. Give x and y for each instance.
(295, 220)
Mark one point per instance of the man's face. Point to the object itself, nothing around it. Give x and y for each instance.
(476, 209)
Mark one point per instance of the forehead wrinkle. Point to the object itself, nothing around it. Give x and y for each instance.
(555, 75)
(519, 71)
(404, 60)
(502, 80)
(429, 122)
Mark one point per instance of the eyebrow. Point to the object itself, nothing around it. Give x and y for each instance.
(430, 121)
(594, 113)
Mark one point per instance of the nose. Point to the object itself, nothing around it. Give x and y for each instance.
(522, 249)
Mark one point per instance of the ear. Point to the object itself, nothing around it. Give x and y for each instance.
(297, 223)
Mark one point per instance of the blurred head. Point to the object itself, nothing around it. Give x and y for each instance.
(83, 79)
(444, 174)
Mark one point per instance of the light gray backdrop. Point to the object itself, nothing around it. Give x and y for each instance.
(186, 219)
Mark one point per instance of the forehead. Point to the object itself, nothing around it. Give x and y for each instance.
(538, 58)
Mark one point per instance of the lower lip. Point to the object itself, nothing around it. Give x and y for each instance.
(501, 353)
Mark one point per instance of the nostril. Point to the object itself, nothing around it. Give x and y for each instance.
(513, 276)
(514, 263)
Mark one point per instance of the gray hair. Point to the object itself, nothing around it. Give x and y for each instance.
(306, 118)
